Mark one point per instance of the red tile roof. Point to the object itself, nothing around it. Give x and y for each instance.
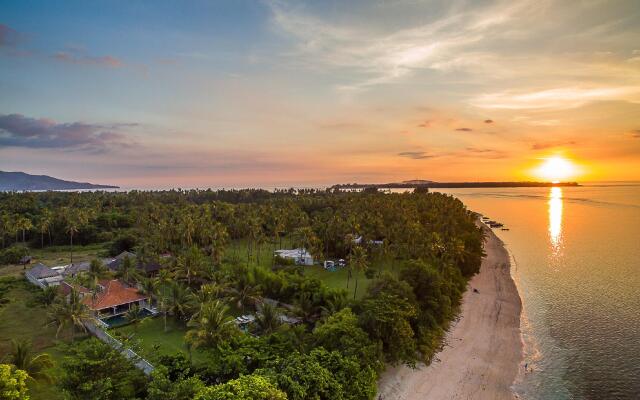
(65, 288)
(114, 294)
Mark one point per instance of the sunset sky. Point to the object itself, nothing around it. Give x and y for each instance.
(277, 93)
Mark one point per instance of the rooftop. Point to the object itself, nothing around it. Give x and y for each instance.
(113, 293)
(40, 271)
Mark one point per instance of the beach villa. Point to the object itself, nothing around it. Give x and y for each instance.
(300, 255)
(111, 300)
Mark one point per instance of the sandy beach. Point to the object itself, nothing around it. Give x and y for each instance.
(483, 348)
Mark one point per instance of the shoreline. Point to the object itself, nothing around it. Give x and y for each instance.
(482, 350)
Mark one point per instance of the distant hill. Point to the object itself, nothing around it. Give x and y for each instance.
(418, 183)
(20, 181)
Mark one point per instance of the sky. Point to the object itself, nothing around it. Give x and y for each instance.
(159, 94)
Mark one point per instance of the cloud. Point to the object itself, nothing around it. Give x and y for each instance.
(464, 129)
(81, 58)
(547, 145)
(415, 155)
(488, 121)
(485, 153)
(636, 133)
(19, 131)
(8, 36)
(385, 55)
(557, 98)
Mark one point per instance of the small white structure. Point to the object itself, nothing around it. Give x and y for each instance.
(359, 239)
(300, 255)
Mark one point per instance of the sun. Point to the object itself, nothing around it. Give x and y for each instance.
(555, 169)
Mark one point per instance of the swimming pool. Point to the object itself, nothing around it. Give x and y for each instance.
(121, 319)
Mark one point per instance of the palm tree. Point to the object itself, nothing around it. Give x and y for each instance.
(44, 225)
(218, 238)
(306, 309)
(135, 316)
(209, 292)
(306, 238)
(149, 286)
(334, 302)
(179, 301)
(49, 295)
(163, 307)
(72, 312)
(268, 319)
(191, 265)
(358, 262)
(24, 224)
(97, 270)
(74, 221)
(245, 290)
(36, 366)
(211, 325)
(4, 226)
(128, 271)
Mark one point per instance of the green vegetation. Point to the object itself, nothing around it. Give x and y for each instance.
(316, 334)
(13, 383)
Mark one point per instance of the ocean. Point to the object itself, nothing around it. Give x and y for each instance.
(576, 262)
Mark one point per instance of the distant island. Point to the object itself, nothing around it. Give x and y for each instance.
(18, 181)
(419, 183)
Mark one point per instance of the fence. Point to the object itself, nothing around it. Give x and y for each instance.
(138, 361)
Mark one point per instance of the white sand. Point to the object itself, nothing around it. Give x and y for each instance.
(483, 348)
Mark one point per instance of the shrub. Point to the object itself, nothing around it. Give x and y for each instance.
(13, 254)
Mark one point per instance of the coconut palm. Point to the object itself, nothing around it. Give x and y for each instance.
(245, 290)
(209, 292)
(149, 286)
(179, 301)
(75, 219)
(128, 271)
(48, 295)
(218, 238)
(44, 226)
(72, 313)
(36, 366)
(268, 319)
(358, 262)
(24, 224)
(211, 325)
(134, 316)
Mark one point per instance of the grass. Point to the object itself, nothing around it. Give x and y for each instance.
(338, 278)
(24, 318)
(60, 255)
(238, 249)
(153, 341)
(56, 255)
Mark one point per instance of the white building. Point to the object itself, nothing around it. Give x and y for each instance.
(359, 240)
(300, 256)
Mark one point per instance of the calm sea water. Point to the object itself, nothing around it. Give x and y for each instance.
(577, 268)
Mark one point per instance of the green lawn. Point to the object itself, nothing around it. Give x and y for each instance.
(154, 341)
(24, 318)
(338, 279)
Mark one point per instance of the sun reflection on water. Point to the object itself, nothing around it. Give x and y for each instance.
(555, 219)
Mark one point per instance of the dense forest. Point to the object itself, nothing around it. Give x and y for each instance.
(415, 251)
